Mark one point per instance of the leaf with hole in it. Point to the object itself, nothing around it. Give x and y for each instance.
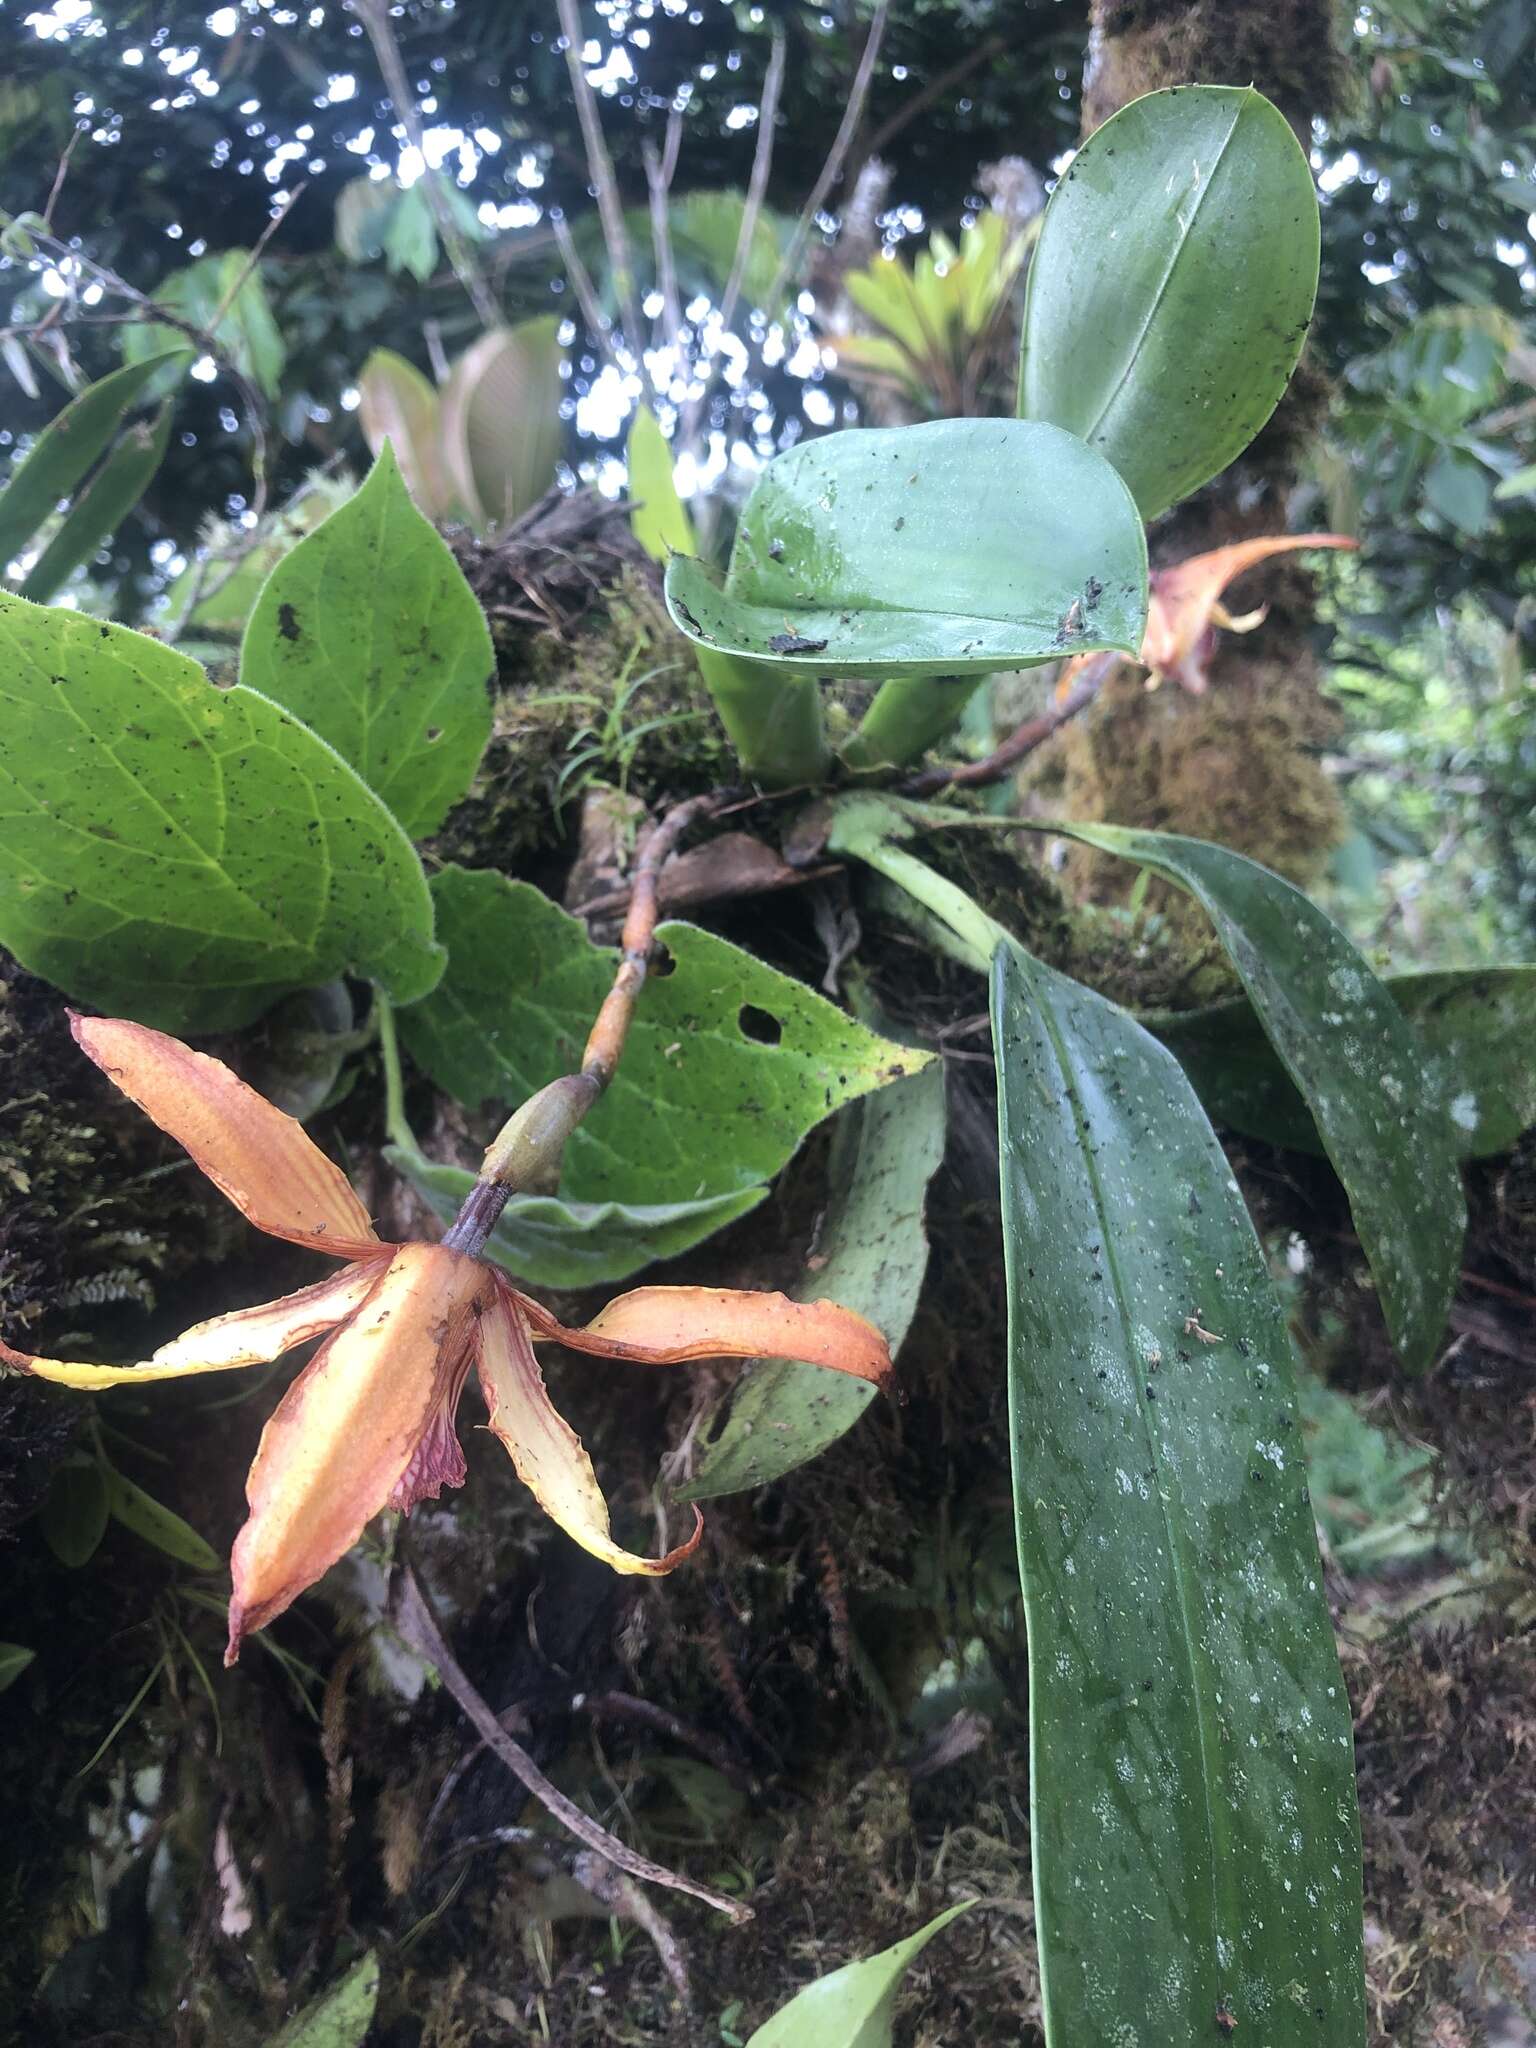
(1195, 1841)
(74, 1516)
(1172, 285)
(657, 516)
(103, 505)
(368, 631)
(154, 1523)
(67, 447)
(397, 405)
(946, 549)
(14, 1660)
(182, 854)
(727, 1065)
(874, 1251)
(853, 2007)
(339, 2017)
(1346, 1045)
(500, 412)
(547, 1241)
(1476, 1026)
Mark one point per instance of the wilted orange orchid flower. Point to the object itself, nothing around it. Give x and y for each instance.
(369, 1422)
(1185, 608)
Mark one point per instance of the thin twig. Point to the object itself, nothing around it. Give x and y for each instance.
(610, 208)
(842, 142)
(1023, 740)
(757, 183)
(598, 324)
(255, 256)
(417, 1627)
(374, 15)
(623, 1706)
(658, 181)
(60, 175)
(982, 53)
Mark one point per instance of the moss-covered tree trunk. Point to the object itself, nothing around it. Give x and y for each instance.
(1240, 763)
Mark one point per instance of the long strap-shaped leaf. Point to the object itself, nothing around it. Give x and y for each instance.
(1378, 1108)
(1196, 1849)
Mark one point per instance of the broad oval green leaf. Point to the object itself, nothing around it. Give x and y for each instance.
(74, 1516)
(1346, 1045)
(154, 1523)
(183, 854)
(1476, 1026)
(368, 631)
(657, 516)
(1195, 1841)
(853, 2007)
(945, 549)
(339, 2017)
(67, 447)
(500, 412)
(1172, 286)
(874, 1249)
(550, 1242)
(727, 1065)
(14, 1660)
(103, 505)
(398, 407)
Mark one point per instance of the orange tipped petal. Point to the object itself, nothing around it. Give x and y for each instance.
(1184, 595)
(367, 1424)
(255, 1153)
(249, 1336)
(665, 1325)
(545, 1450)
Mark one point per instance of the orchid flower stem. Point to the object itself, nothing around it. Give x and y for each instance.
(396, 1126)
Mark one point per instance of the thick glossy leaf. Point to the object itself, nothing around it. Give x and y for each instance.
(658, 519)
(728, 1063)
(182, 854)
(74, 1516)
(225, 287)
(500, 411)
(13, 1661)
(368, 631)
(66, 449)
(1476, 1026)
(340, 2017)
(156, 1524)
(874, 1251)
(398, 406)
(103, 505)
(1195, 1842)
(853, 2007)
(547, 1241)
(1172, 286)
(1345, 1044)
(945, 549)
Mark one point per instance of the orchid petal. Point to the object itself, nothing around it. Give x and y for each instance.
(666, 1325)
(248, 1336)
(255, 1153)
(546, 1452)
(363, 1425)
(1184, 595)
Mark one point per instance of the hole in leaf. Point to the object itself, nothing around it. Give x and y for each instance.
(661, 963)
(434, 732)
(758, 1024)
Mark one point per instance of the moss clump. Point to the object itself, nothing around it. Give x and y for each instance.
(1288, 49)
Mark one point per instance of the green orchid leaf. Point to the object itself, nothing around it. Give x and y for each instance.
(398, 407)
(182, 854)
(14, 1660)
(1347, 1047)
(853, 2007)
(728, 1063)
(74, 1516)
(1171, 287)
(368, 631)
(67, 447)
(500, 413)
(103, 505)
(546, 1241)
(874, 1249)
(1475, 1025)
(154, 1523)
(946, 549)
(657, 516)
(339, 2017)
(1195, 1840)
